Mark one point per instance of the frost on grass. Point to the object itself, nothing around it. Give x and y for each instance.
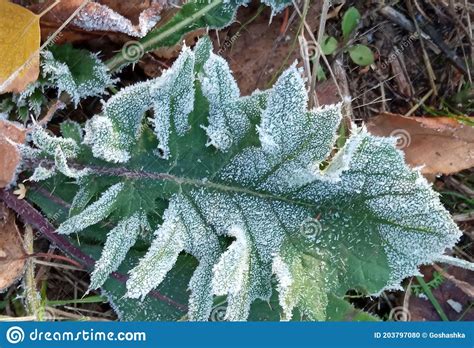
(252, 203)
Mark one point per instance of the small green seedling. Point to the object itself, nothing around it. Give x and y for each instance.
(359, 54)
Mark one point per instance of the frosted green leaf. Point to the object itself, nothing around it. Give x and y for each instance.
(255, 205)
(301, 283)
(119, 240)
(173, 100)
(60, 161)
(87, 190)
(113, 133)
(77, 72)
(94, 213)
(42, 173)
(72, 130)
(49, 144)
(160, 258)
(227, 124)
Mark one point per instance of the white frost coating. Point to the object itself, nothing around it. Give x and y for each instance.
(186, 231)
(95, 16)
(94, 213)
(49, 144)
(119, 240)
(60, 76)
(455, 262)
(42, 173)
(28, 98)
(232, 275)
(227, 123)
(74, 130)
(160, 257)
(277, 5)
(282, 127)
(233, 266)
(301, 283)
(82, 197)
(282, 272)
(173, 99)
(61, 165)
(105, 142)
(394, 204)
(113, 133)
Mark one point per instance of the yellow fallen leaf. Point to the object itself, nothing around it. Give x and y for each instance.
(19, 47)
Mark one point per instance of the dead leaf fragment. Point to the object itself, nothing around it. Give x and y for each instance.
(95, 16)
(19, 47)
(12, 253)
(10, 133)
(421, 309)
(440, 144)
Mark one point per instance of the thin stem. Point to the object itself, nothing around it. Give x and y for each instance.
(34, 218)
(453, 261)
(49, 8)
(89, 299)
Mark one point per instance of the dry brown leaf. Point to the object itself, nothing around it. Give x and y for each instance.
(421, 308)
(9, 155)
(12, 253)
(110, 16)
(440, 144)
(19, 47)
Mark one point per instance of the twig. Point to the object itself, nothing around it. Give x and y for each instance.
(426, 58)
(453, 261)
(421, 102)
(322, 27)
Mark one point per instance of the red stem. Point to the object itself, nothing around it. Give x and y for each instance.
(33, 217)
